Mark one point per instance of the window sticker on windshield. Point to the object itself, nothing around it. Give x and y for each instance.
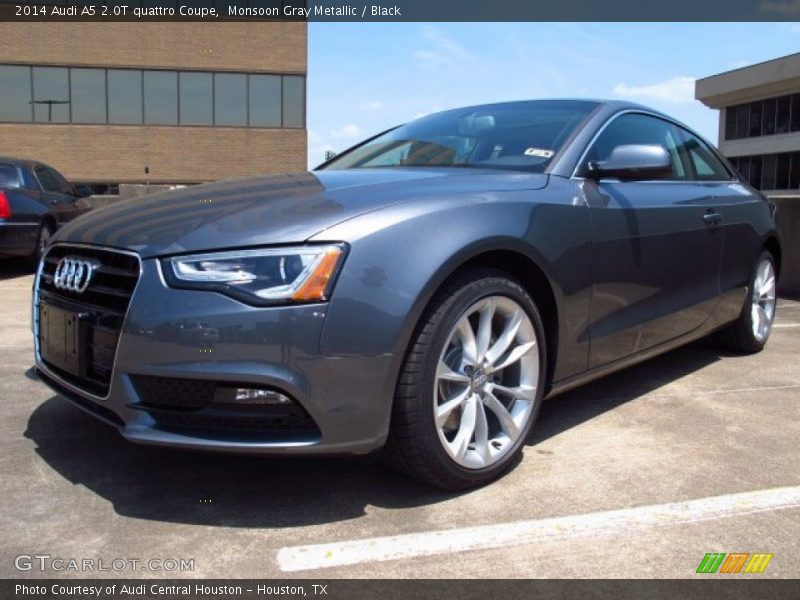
(538, 152)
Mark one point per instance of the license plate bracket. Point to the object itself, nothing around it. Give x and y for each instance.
(60, 335)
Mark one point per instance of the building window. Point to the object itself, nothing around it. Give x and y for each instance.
(795, 119)
(763, 117)
(230, 99)
(84, 95)
(124, 97)
(15, 94)
(51, 95)
(294, 105)
(772, 172)
(88, 95)
(197, 99)
(768, 121)
(161, 97)
(265, 100)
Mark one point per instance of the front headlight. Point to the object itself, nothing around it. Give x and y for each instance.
(262, 277)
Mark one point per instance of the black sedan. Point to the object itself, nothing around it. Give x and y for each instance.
(35, 200)
(422, 293)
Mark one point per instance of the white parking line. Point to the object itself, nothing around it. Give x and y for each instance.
(781, 325)
(320, 556)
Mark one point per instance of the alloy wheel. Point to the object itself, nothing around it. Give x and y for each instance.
(762, 307)
(486, 382)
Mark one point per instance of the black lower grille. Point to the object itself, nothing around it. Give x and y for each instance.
(98, 311)
(202, 405)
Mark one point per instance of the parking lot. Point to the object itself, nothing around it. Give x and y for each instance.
(636, 475)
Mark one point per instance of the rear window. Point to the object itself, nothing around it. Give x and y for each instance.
(9, 177)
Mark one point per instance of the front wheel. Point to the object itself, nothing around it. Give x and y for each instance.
(749, 333)
(471, 384)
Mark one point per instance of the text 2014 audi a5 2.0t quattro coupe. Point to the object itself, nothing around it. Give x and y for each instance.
(421, 293)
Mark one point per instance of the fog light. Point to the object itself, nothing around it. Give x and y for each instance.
(260, 396)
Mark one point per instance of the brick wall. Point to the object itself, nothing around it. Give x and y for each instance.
(174, 154)
(246, 46)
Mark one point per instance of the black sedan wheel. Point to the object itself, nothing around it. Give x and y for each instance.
(471, 384)
(42, 241)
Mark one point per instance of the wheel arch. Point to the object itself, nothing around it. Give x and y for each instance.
(773, 245)
(521, 263)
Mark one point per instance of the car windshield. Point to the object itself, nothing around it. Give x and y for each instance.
(8, 176)
(515, 135)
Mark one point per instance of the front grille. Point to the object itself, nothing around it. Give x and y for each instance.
(177, 403)
(102, 307)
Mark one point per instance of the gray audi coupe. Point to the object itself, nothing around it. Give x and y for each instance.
(420, 294)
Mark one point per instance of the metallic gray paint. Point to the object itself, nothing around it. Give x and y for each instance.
(627, 283)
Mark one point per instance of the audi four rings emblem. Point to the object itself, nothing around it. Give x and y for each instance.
(74, 274)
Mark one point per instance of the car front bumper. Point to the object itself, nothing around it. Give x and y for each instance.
(207, 337)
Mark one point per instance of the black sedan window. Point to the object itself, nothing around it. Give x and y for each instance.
(8, 176)
(514, 135)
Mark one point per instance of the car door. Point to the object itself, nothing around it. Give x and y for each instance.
(657, 247)
(735, 204)
(57, 193)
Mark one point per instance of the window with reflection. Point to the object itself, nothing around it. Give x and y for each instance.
(294, 105)
(230, 99)
(196, 107)
(124, 96)
(771, 116)
(265, 100)
(50, 95)
(161, 97)
(88, 94)
(15, 93)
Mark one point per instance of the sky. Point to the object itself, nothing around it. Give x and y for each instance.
(364, 78)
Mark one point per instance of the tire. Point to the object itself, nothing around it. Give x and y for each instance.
(459, 448)
(742, 336)
(42, 240)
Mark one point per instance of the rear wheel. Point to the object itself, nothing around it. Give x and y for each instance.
(750, 332)
(471, 384)
(42, 241)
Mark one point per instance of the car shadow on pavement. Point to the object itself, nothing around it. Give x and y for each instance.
(15, 267)
(572, 408)
(179, 486)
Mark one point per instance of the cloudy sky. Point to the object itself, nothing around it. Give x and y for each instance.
(367, 77)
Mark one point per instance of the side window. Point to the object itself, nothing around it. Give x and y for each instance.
(49, 181)
(28, 180)
(705, 164)
(63, 185)
(635, 128)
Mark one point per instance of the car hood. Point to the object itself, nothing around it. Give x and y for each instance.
(273, 209)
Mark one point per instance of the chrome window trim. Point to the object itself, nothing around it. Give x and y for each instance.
(35, 320)
(673, 122)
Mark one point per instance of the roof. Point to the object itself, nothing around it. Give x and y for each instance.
(776, 77)
(21, 162)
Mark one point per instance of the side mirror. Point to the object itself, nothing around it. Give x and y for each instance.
(633, 161)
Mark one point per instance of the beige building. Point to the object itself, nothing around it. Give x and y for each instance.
(759, 132)
(189, 102)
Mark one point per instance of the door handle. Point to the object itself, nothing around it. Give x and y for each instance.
(712, 218)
